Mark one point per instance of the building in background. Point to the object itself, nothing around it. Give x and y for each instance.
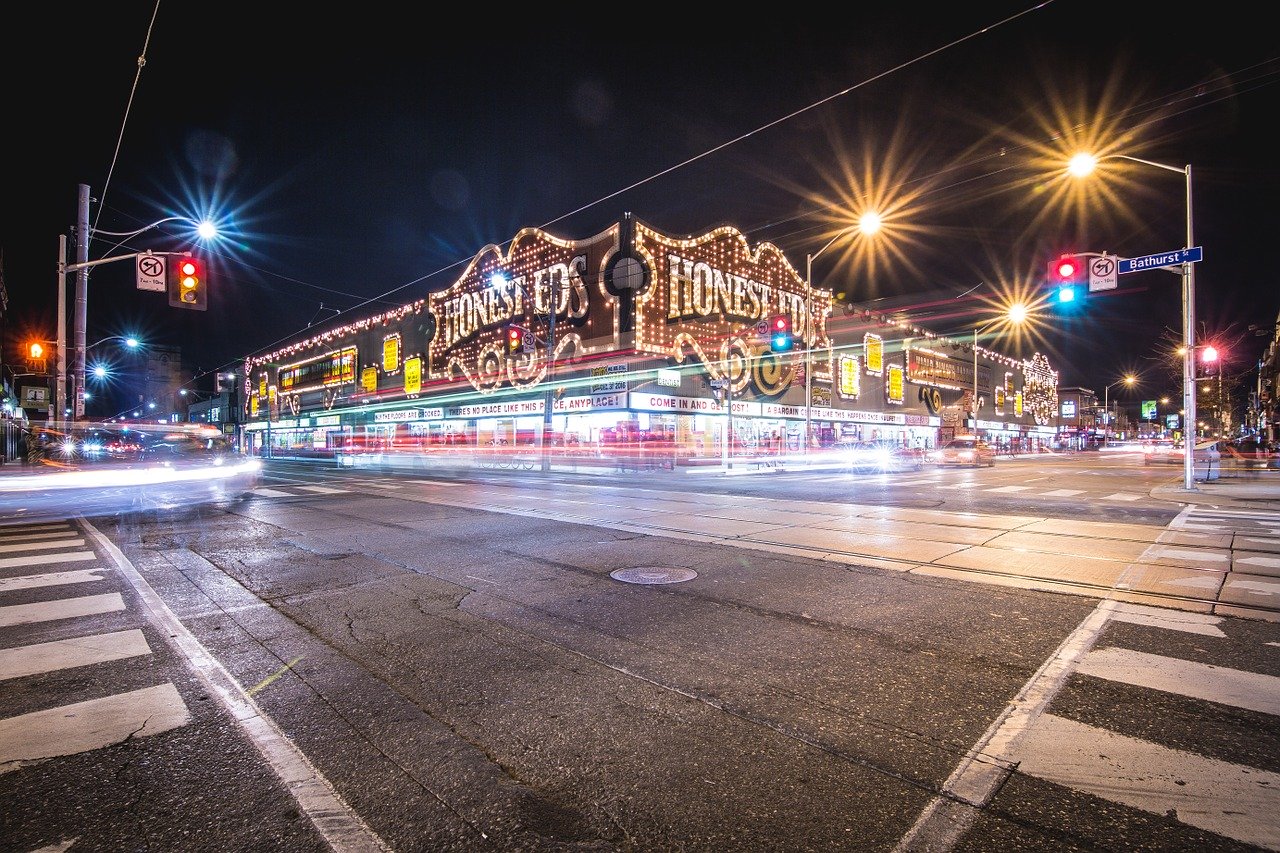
(636, 338)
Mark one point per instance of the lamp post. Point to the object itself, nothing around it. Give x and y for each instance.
(81, 267)
(868, 223)
(1082, 164)
(1127, 379)
(1015, 315)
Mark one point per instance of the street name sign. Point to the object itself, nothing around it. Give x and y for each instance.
(1163, 259)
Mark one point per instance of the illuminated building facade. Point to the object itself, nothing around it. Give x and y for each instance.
(632, 336)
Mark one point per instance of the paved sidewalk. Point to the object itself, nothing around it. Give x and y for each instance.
(1260, 489)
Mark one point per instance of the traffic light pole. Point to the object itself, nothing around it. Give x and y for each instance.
(82, 302)
(60, 376)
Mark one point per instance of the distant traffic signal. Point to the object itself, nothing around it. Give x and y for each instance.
(1067, 276)
(186, 284)
(515, 339)
(780, 339)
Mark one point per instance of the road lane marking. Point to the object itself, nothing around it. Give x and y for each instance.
(35, 546)
(27, 536)
(342, 828)
(1227, 799)
(1008, 489)
(42, 559)
(8, 526)
(1121, 496)
(50, 579)
(1239, 689)
(1172, 620)
(323, 490)
(982, 770)
(63, 608)
(82, 726)
(263, 491)
(1062, 493)
(77, 651)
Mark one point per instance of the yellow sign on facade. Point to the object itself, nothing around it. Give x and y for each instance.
(894, 384)
(875, 354)
(369, 379)
(413, 376)
(390, 353)
(850, 378)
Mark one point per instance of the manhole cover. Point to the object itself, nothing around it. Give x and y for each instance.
(652, 575)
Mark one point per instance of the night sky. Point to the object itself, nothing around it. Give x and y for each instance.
(358, 158)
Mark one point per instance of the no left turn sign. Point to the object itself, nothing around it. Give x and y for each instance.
(151, 270)
(1103, 273)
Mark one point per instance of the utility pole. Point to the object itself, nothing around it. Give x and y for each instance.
(82, 301)
(60, 376)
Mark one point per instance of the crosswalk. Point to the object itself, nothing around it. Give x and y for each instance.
(1163, 772)
(363, 485)
(56, 596)
(278, 491)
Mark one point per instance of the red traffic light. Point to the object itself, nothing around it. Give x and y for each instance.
(1065, 269)
(780, 333)
(186, 284)
(515, 339)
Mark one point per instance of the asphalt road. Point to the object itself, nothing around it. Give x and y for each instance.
(371, 661)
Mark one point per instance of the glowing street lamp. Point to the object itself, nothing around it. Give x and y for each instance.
(1015, 315)
(868, 223)
(1127, 379)
(1084, 163)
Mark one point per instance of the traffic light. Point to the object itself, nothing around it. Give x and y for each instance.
(37, 357)
(1067, 275)
(515, 339)
(780, 334)
(186, 284)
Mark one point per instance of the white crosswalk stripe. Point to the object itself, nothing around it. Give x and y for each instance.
(80, 724)
(1150, 776)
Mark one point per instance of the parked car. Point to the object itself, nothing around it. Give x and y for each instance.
(878, 456)
(964, 450)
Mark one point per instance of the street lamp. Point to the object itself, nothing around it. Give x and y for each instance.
(204, 229)
(868, 223)
(1082, 164)
(1014, 316)
(128, 340)
(1127, 379)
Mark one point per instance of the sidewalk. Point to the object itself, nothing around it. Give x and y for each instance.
(1259, 489)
